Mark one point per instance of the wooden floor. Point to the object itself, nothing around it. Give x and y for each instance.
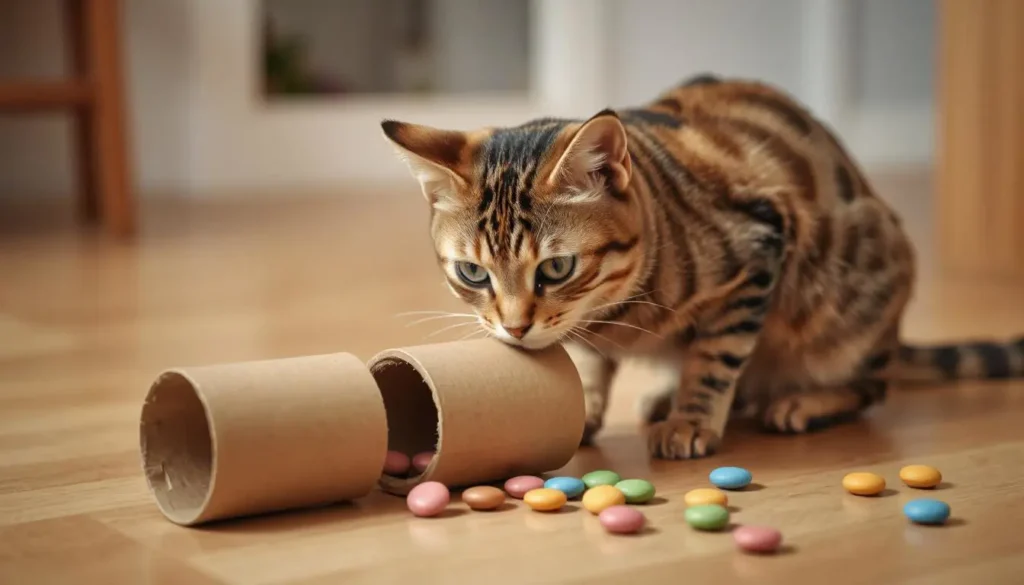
(86, 323)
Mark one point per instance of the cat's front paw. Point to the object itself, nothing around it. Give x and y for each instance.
(590, 428)
(681, 439)
(595, 399)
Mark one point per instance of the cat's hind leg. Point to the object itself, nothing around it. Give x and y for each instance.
(816, 408)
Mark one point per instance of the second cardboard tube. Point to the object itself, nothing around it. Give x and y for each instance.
(241, 439)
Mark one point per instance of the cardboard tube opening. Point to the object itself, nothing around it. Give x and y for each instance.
(177, 447)
(410, 405)
(230, 440)
(492, 410)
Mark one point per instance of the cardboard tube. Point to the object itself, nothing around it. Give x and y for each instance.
(491, 410)
(255, 437)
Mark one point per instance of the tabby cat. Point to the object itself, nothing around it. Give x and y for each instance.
(720, 229)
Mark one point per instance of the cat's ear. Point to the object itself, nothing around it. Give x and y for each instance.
(437, 158)
(598, 148)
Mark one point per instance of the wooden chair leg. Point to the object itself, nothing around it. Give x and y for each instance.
(107, 126)
(78, 50)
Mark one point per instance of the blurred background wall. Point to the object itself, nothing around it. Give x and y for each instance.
(202, 126)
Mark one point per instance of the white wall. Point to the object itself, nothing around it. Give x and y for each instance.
(865, 66)
(35, 151)
(658, 43)
(481, 45)
(200, 126)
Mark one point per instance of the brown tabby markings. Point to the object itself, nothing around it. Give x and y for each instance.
(720, 229)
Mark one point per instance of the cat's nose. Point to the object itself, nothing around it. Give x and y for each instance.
(518, 332)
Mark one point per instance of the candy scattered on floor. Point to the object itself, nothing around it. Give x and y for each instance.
(517, 486)
(702, 496)
(616, 501)
(599, 498)
(707, 517)
(600, 477)
(730, 478)
(920, 476)
(637, 491)
(396, 463)
(864, 483)
(622, 519)
(926, 511)
(420, 461)
(429, 498)
(760, 539)
(571, 486)
(545, 499)
(483, 497)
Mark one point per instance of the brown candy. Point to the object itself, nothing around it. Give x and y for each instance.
(483, 497)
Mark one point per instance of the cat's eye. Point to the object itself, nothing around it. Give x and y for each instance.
(556, 270)
(472, 274)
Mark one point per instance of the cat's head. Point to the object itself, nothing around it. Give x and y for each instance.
(534, 226)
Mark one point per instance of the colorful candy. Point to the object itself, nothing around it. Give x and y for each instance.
(429, 498)
(730, 478)
(621, 519)
(517, 487)
(864, 483)
(420, 461)
(637, 491)
(760, 539)
(926, 511)
(920, 476)
(701, 496)
(571, 486)
(599, 498)
(707, 517)
(483, 497)
(396, 463)
(545, 499)
(601, 477)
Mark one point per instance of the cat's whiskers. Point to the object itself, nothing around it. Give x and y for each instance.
(450, 327)
(630, 325)
(576, 335)
(472, 333)
(632, 300)
(445, 315)
(582, 330)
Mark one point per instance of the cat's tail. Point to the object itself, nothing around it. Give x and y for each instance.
(967, 360)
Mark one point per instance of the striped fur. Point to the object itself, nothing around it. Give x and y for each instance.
(720, 229)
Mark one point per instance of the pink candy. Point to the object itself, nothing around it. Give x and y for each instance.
(757, 538)
(622, 519)
(396, 463)
(519, 485)
(429, 498)
(420, 461)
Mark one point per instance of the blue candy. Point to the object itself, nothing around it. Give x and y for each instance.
(926, 511)
(730, 478)
(570, 486)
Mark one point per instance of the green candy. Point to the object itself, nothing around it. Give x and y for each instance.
(637, 491)
(601, 477)
(707, 517)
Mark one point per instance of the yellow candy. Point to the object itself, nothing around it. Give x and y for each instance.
(863, 483)
(600, 497)
(704, 496)
(545, 499)
(921, 476)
